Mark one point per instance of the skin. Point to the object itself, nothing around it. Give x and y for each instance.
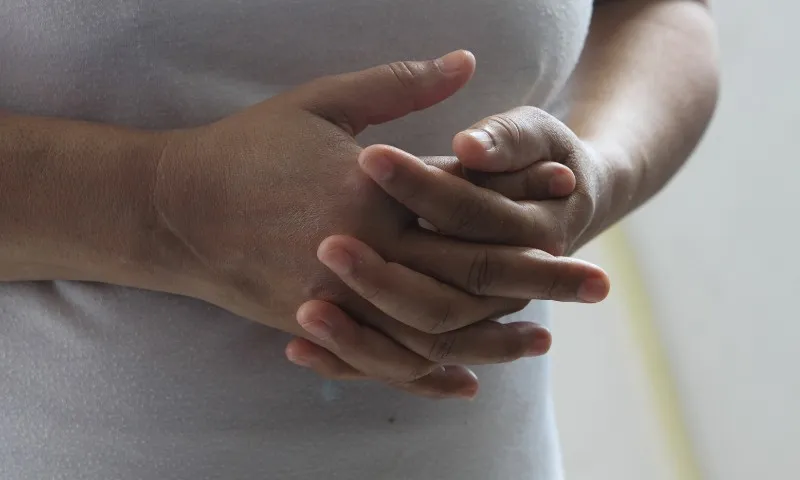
(232, 213)
(641, 97)
(90, 202)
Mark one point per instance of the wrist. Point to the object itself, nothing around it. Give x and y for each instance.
(159, 257)
(74, 200)
(616, 187)
(110, 226)
(135, 245)
(149, 251)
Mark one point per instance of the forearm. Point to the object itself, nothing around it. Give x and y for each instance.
(75, 200)
(643, 94)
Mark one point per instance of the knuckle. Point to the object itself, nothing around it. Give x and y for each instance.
(415, 372)
(532, 184)
(509, 129)
(368, 288)
(480, 276)
(326, 287)
(551, 288)
(404, 72)
(548, 137)
(406, 78)
(407, 74)
(441, 347)
(370, 293)
(523, 226)
(465, 215)
(441, 319)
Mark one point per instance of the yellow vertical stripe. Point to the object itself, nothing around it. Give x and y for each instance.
(627, 278)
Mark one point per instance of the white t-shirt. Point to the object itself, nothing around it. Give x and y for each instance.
(106, 383)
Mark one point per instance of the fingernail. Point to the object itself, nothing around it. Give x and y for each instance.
(299, 360)
(378, 167)
(560, 184)
(338, 260)
(461, 383)
(319, 328)
(451, 63)
(593, 290)
(427, 225)
(540, 344)
(468, 393)
(484, 138)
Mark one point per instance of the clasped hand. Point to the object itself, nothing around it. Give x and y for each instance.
(257, 200)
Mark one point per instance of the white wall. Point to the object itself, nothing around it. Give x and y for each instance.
(719, 252)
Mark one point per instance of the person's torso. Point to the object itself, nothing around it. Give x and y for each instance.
(105, 382)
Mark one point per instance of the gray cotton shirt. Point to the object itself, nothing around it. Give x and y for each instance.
(101, 382)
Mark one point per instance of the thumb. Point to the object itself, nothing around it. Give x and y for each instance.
(356, 100)
(511, 141)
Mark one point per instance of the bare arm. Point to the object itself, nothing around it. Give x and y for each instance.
(643, 94)
(74, 200)
(232, 213)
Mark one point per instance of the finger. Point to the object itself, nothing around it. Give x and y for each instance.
(527, 134)
(487, 342)
(389, 342)
(365, 349)
(484, 343)
(360, 346)
(407, 296)
(512, 141)
(442, 382)
(373, 353)
(380, 94)
(453, 205)
(503, 271)
(447, 381)
(304, 353)
(449, 165)
(541, 181)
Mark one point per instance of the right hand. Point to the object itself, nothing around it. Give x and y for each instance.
(243, 204)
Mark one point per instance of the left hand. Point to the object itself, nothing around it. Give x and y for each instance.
(494, 149)
(525, 148)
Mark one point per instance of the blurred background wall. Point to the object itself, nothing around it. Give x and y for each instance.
(691, 370)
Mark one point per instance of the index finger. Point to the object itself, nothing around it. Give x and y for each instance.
(543, 180)
(453, 205)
